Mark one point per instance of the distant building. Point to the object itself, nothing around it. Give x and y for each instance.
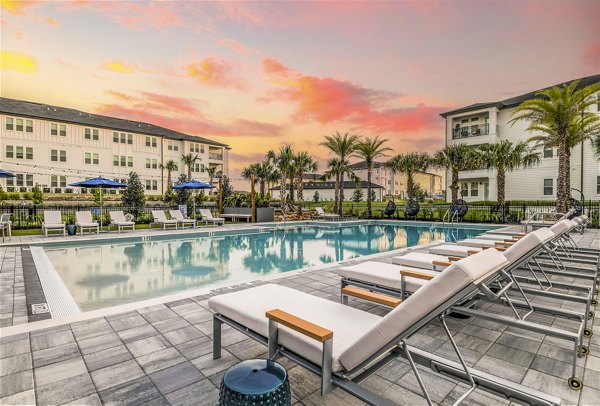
(486, 123)
(326, 190)
(394, 184)
(56, 146)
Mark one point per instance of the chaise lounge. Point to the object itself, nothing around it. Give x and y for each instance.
(178, 215)
(161, 219)
(84, 220)
(207, 216)
(53, 222)
(118, 218)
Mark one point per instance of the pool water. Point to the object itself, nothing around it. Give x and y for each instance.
(109, 273)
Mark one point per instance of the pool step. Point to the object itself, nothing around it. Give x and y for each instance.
(371, 296)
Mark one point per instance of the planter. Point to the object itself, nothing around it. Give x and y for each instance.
(263, 214)
(71, 229)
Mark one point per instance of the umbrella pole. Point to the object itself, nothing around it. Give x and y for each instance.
(194, 207)
(101, 192)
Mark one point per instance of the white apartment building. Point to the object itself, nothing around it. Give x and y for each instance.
(56, 146)
(394, 184)
(484, 123)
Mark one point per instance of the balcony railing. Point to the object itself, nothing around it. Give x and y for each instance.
(218, 157)
(470, 131)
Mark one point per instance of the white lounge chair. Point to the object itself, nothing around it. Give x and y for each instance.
(326, 216)
(118, 218)
(345, 345)
(5, 225)
(161, 219)
(178, 215)
(84, 220)
(53, 222)
(207, 216)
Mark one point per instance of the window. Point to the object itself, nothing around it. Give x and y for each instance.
(29, 126)
(147, 163)
(28, 153)
(63, 156)
(123, 138)
(151, 142)
(195, 147)
(9, 151)
(474, 189)
(475, 119)
(464, 189)
(548, 152)
(91, 158)
(115, 160)
(63, 181)
(19, 152)
(88, 134)
(130, 161)
(202, 149)
(53, 129)
(29, 180)
(151, 163)
(19, 124)
(19, 179)
(53, 181)
(148, 185)
(91, 134)
(548, 187)
(151, 185)
(115, 136)
(123, 160)
(10, 123)
(63, 130)
(54, 155)
(130, 139)
(172, 146)
(598, 185)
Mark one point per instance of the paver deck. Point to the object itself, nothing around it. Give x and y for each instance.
(162, 355)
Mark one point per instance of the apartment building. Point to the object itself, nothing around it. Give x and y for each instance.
(394, 184)
(484, 123)
(55, 146)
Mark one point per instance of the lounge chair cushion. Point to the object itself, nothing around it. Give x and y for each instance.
(562, 226)
(474, 242)
(490, 236)
(94, 224)
(53, 225)
(432, 298)
(248, 307)
(528, 244)
(452, 250)
(418, 260)
(381, 274)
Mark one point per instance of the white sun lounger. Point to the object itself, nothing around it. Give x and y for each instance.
(207, 216)
(326, 216)
(117, 218)
(178, 215)
(84, 220)
(53, 222)
(161, 219)
(345, 345)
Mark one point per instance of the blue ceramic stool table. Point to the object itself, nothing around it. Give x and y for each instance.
(255, 382)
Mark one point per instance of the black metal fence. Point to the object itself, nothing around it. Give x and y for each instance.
(31, 216)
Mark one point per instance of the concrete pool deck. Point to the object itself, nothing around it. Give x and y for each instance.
(162, 354)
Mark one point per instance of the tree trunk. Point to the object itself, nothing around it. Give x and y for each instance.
(501, 179)
(369, 169)
(409, 185)
(168, 179)
(300, 196)
(336, 198)
(262, 189)
(454, 186)
(282, 193)
(189, 172)
(564, 173)
(341, 200)
(292, 190)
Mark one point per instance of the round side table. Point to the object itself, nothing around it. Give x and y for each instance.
(255, 382)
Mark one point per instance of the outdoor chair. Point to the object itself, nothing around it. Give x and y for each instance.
(345, 345)
(178, 215)
(5, 225)
(161, 219)
(119, 219)
(207, 216)
(53, 222)
(84, 220)
(326, 216)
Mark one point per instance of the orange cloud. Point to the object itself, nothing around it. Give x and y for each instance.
(52, 22)
(214, 72)
(328, 100)
(233, 45)
(17, 7)
(118, 66)
(17, 62)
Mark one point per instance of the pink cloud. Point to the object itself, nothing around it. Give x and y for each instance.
(233, 45)
(215, 72)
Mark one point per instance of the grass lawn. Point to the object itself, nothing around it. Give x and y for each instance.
(38, 231)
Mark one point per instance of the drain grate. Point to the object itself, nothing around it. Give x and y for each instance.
(40, 308)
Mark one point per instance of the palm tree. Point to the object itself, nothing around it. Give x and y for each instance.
(455, 158)
(344, 146)
(596, 144)
(189, 160)
(334, 169)
(303, 163)
(370, 149)
(560, 118)
(212, 172)
(170, 166)
(252, 169)
(283, 163)
(409, 164)
(504, 156)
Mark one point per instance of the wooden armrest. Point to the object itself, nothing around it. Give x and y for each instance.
(509, 240)
(517, 237)
(300, 325)
(452, 259)
(416, 274)
(473, 252)
(441, 263)
(503, 244)
(500, 249)
(371, 296)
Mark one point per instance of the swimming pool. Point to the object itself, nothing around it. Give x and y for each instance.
(105, 273)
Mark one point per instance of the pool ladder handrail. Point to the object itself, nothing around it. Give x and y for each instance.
(452, 216)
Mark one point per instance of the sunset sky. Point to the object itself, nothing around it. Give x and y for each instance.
(257, 75)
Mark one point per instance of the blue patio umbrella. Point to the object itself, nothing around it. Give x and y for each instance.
(6, 174)
(193, 185)
(101, 183)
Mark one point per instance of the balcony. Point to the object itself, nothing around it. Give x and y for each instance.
(470, 131)
(217, 157)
